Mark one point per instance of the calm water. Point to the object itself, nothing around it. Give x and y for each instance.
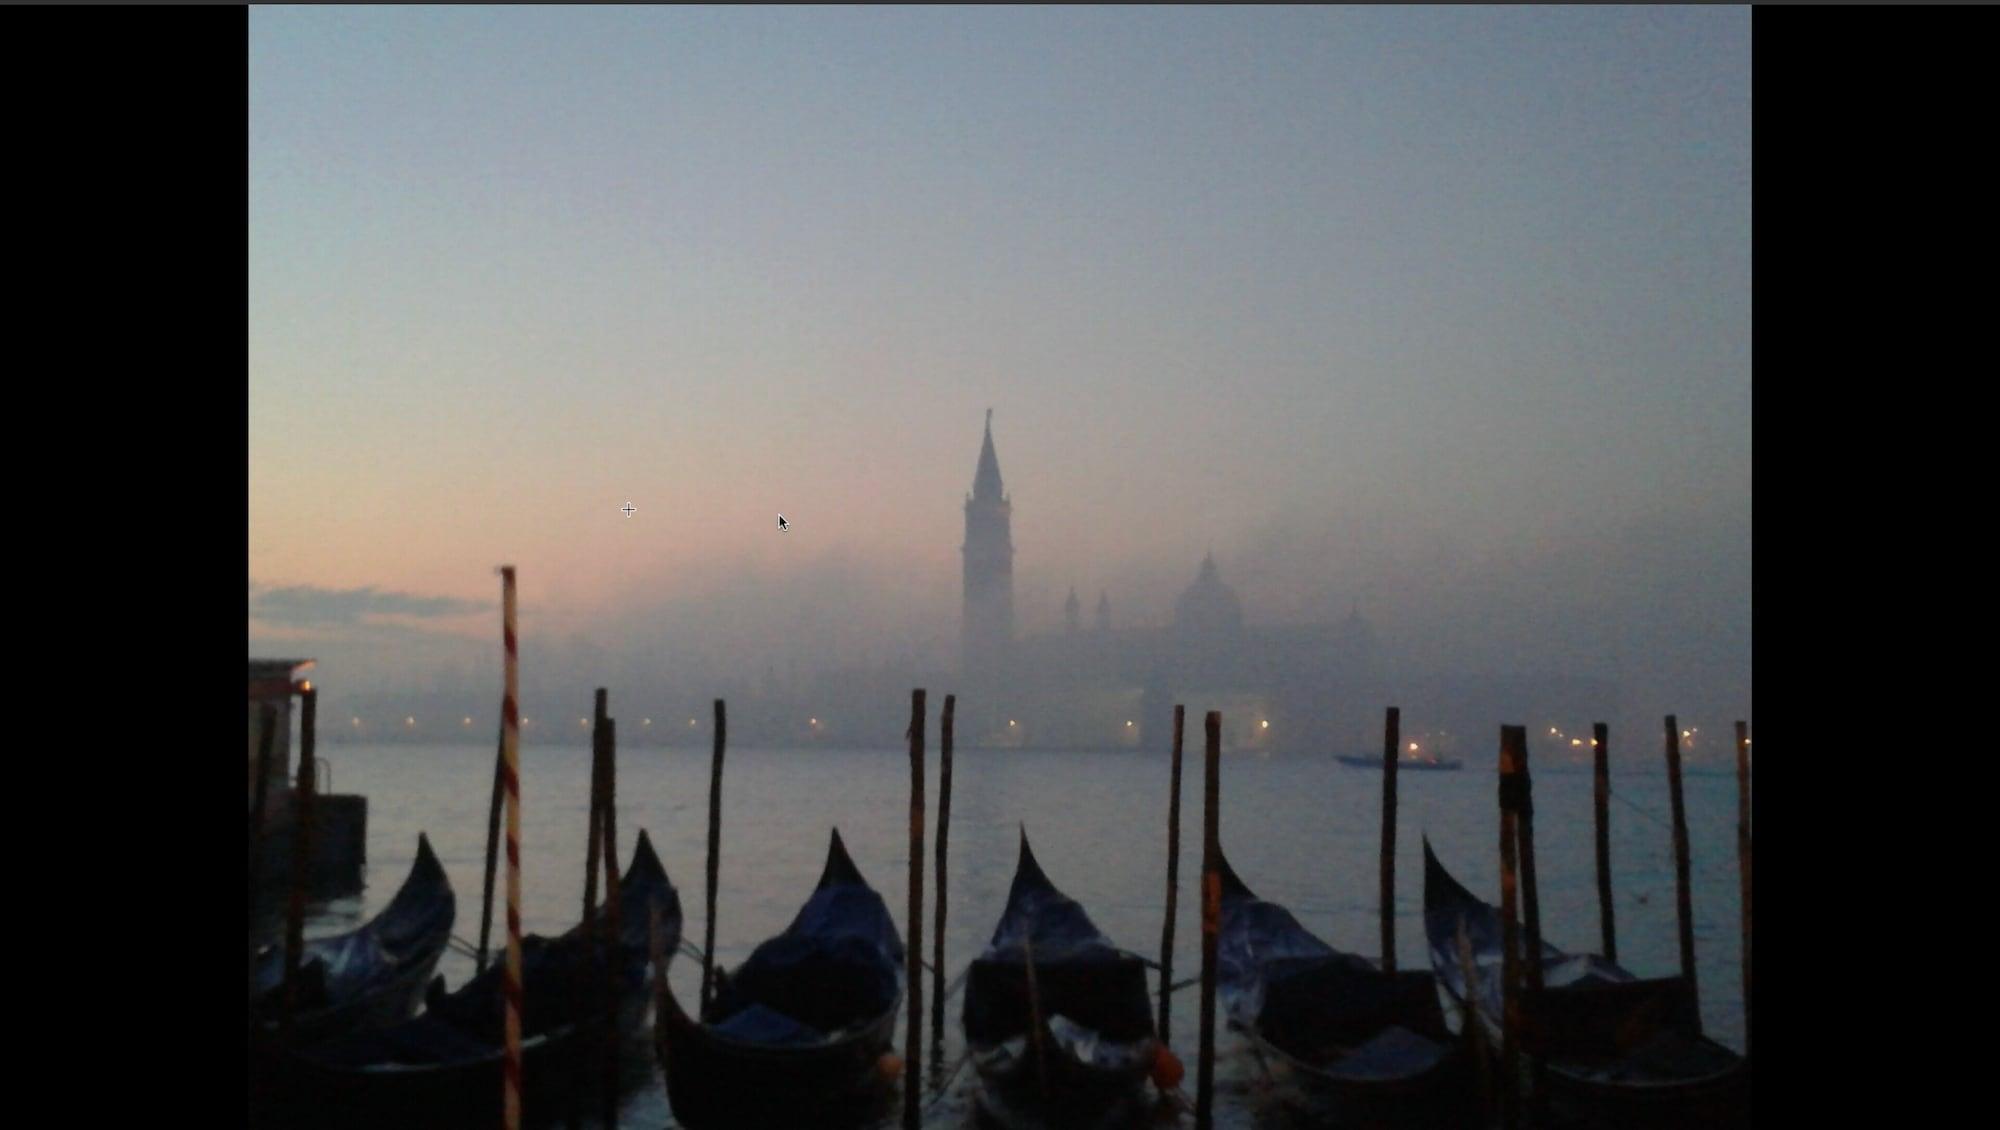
(1301, 831)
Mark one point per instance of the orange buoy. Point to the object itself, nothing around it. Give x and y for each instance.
(889, 1067)
(1167, 1069)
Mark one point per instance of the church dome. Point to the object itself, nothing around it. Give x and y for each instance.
(1208, 607)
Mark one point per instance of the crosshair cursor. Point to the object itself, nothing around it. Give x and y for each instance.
(783, 526)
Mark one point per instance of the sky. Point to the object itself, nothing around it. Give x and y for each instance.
(1442, 314)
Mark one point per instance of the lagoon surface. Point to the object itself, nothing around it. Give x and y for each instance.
(1301, 830)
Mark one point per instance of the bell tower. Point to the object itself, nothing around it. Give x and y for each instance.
(988, 625)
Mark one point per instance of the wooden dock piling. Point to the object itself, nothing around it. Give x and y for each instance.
(609, 931)
(714, 853)
(1211, 914)
(1173, 881)
(596, 841)
(1683, 881)
(1510, 949)
(1515, 739)
(943, 839)
(913, 954)
(302, 845)
(1600, 752)
(1743, 861)
(1391, 739)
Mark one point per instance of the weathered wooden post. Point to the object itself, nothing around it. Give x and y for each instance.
(714, 852)
(1173, 881)
(1600, 750)
(1743, 858)
(596, 841)
(1391, 739)
(302, 846)
(913, 955)
(1510, 950)
(943, 837)
(1211, 915)
(1683, 889)
(609, 930)
(1515, 739)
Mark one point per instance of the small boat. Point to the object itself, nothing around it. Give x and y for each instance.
(1615, 1047)
(444, 1067)
(797, 1035)
(1095, 1047)
(368, 977)
(1403, 765)
(1363, 1047)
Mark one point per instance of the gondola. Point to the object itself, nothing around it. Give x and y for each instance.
(365, 978)
(1096, 1045)
(796, 1035)
(1363, 1047)
(443, 1068)
(1616, 1048)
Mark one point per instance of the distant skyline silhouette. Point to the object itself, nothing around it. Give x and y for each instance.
(1440, 313)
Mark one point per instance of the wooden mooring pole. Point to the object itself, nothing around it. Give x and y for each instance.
(1510, 950)
(1600, 752)
(1173, 881)
(714, 853)
(913, 955)
(943, 838)
(1211, 914)
(302, 844)
(1391, 739)
(609, 930)
(1743, 861)
(596, 839)
(1515, 738)
(1683, 888)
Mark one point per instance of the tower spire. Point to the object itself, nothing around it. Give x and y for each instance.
(986, 482)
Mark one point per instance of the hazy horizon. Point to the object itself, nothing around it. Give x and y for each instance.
(1441, 314)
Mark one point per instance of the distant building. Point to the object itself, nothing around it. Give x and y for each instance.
(271, 686)
(987, 628)
(339, 822)
(1278, 686)
(1293, 687)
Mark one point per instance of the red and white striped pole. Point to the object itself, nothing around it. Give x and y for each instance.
(510, 759)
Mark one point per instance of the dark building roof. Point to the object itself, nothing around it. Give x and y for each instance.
(272, 678)
(277, 668)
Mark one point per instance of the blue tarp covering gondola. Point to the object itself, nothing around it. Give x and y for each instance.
(1079, 973)
(795, 1036)
(443, 1069)
(1615, 1045)
(371, 975)
(1367, 1047)
(838, 963)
